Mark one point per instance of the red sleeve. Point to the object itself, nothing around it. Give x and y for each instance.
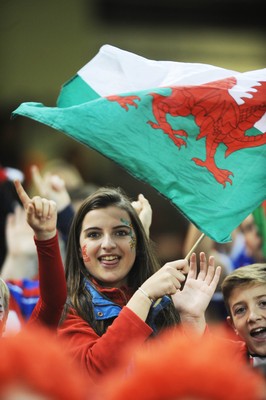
(53, 291)
(98, 354)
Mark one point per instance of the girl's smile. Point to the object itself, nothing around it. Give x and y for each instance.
(108, 245)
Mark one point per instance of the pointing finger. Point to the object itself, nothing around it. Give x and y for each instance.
(21, 193)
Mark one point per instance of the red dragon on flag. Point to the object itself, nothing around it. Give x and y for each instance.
(219, 117)
(127, 107)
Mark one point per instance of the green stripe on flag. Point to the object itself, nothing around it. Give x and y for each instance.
(194, 132)
(151, 156)
(75, 91)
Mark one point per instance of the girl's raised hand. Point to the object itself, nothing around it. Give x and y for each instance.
(41, 213)
(144, 211)
(193, 300)
(51, 187)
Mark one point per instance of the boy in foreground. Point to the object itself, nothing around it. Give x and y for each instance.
(244, 292)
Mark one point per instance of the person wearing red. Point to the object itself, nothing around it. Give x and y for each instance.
(42, 217)
(117, 291)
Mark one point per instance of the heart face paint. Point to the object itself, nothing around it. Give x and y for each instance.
(85, 256)
(133, 241)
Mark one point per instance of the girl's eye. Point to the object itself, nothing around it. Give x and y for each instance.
(122, 232)
(93, 235)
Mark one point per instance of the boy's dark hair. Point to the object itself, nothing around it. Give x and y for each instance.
(243, 276)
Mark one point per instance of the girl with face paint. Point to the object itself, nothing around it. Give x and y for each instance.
(117, 291)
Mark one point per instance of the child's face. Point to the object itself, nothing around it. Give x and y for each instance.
(108, 245)
(248, 310)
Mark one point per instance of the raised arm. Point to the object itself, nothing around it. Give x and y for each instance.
(41, 216)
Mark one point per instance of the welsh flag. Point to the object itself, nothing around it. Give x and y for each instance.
(194, 132)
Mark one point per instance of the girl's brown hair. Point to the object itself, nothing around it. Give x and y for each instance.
(145, 265)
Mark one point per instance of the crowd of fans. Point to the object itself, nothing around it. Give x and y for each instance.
(152, 328)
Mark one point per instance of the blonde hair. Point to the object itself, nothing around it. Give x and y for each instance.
(4, 292)
(243, 276)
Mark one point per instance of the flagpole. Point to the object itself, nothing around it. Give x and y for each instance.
(202, 236)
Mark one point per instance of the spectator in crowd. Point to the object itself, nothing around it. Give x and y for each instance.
(244, 293)
(41, 217)
(117, 292)
(20, 267)
(8, 199)
(245, 248)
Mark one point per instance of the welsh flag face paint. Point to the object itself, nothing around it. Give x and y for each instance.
(133, 240)
(85, 256)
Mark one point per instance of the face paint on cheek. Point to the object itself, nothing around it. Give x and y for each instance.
(85, 256)
(133, 240)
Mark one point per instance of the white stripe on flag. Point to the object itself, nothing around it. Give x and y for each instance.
(114, 71)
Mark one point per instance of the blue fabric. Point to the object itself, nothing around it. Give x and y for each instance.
(26, 302)
(242, 259)
(154, 311)
(105, 308)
